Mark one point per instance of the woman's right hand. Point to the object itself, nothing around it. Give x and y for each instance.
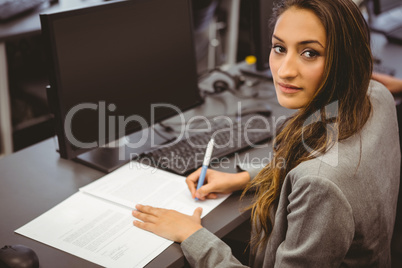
(216, 182)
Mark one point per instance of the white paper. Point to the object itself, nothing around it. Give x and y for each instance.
(96, 223)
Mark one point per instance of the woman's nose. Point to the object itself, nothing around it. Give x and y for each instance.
(288, 67)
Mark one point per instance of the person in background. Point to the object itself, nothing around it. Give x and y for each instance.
(392, 83)
(328, 197)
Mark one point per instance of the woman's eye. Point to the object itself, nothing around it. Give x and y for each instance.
(310, 54)
(279, 49)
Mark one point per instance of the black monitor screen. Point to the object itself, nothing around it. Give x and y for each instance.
(261, 32)
(113, 61)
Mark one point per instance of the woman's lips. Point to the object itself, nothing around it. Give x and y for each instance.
(287, 88)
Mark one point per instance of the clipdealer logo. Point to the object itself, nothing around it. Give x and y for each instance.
(331, 111)
(110, 120)
(115, 126)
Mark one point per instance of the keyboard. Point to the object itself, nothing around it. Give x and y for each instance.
(230, 136)
(11, 8)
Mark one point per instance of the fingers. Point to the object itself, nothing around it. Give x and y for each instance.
(167, 223)
(144, 225)
(144, 217)
(147, 209)
(191, 181)
(146, 213)
(212, 196)
(208, 196)
(197, 213)
(206, 191)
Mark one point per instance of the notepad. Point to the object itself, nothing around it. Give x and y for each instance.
(96, 223)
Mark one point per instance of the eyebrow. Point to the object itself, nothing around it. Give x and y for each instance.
(302, 42)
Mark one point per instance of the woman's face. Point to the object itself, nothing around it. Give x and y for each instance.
(298, 56)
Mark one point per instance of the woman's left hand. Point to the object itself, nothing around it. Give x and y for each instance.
(167, 223)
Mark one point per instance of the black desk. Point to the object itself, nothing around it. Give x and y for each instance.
(36, 179)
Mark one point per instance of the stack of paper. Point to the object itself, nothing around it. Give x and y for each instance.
(96, 222)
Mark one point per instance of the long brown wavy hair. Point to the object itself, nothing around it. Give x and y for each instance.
(346, 77)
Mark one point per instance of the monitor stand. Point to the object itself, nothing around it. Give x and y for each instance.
(109, 158)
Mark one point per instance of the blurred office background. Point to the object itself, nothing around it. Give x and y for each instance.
(222, 37)
(27, 70)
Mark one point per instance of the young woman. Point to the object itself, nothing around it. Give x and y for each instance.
(333, 202)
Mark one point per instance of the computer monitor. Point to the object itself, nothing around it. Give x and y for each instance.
(261, 12)
(109, 65)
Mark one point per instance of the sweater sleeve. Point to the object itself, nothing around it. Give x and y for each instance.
(252, 170)
(320, 225)
(204, 249)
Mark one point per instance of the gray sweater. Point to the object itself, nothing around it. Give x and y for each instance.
(333, 211)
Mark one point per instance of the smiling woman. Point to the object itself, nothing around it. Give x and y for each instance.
(297, 60)
(331, 201)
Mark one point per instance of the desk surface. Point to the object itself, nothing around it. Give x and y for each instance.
(36, 179)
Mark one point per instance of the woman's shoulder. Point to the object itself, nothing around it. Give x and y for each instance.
(314, 170)
(379, 93)
(317, 186)
(383, 122)
(337, 167)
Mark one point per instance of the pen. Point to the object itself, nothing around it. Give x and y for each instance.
(205, 164)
